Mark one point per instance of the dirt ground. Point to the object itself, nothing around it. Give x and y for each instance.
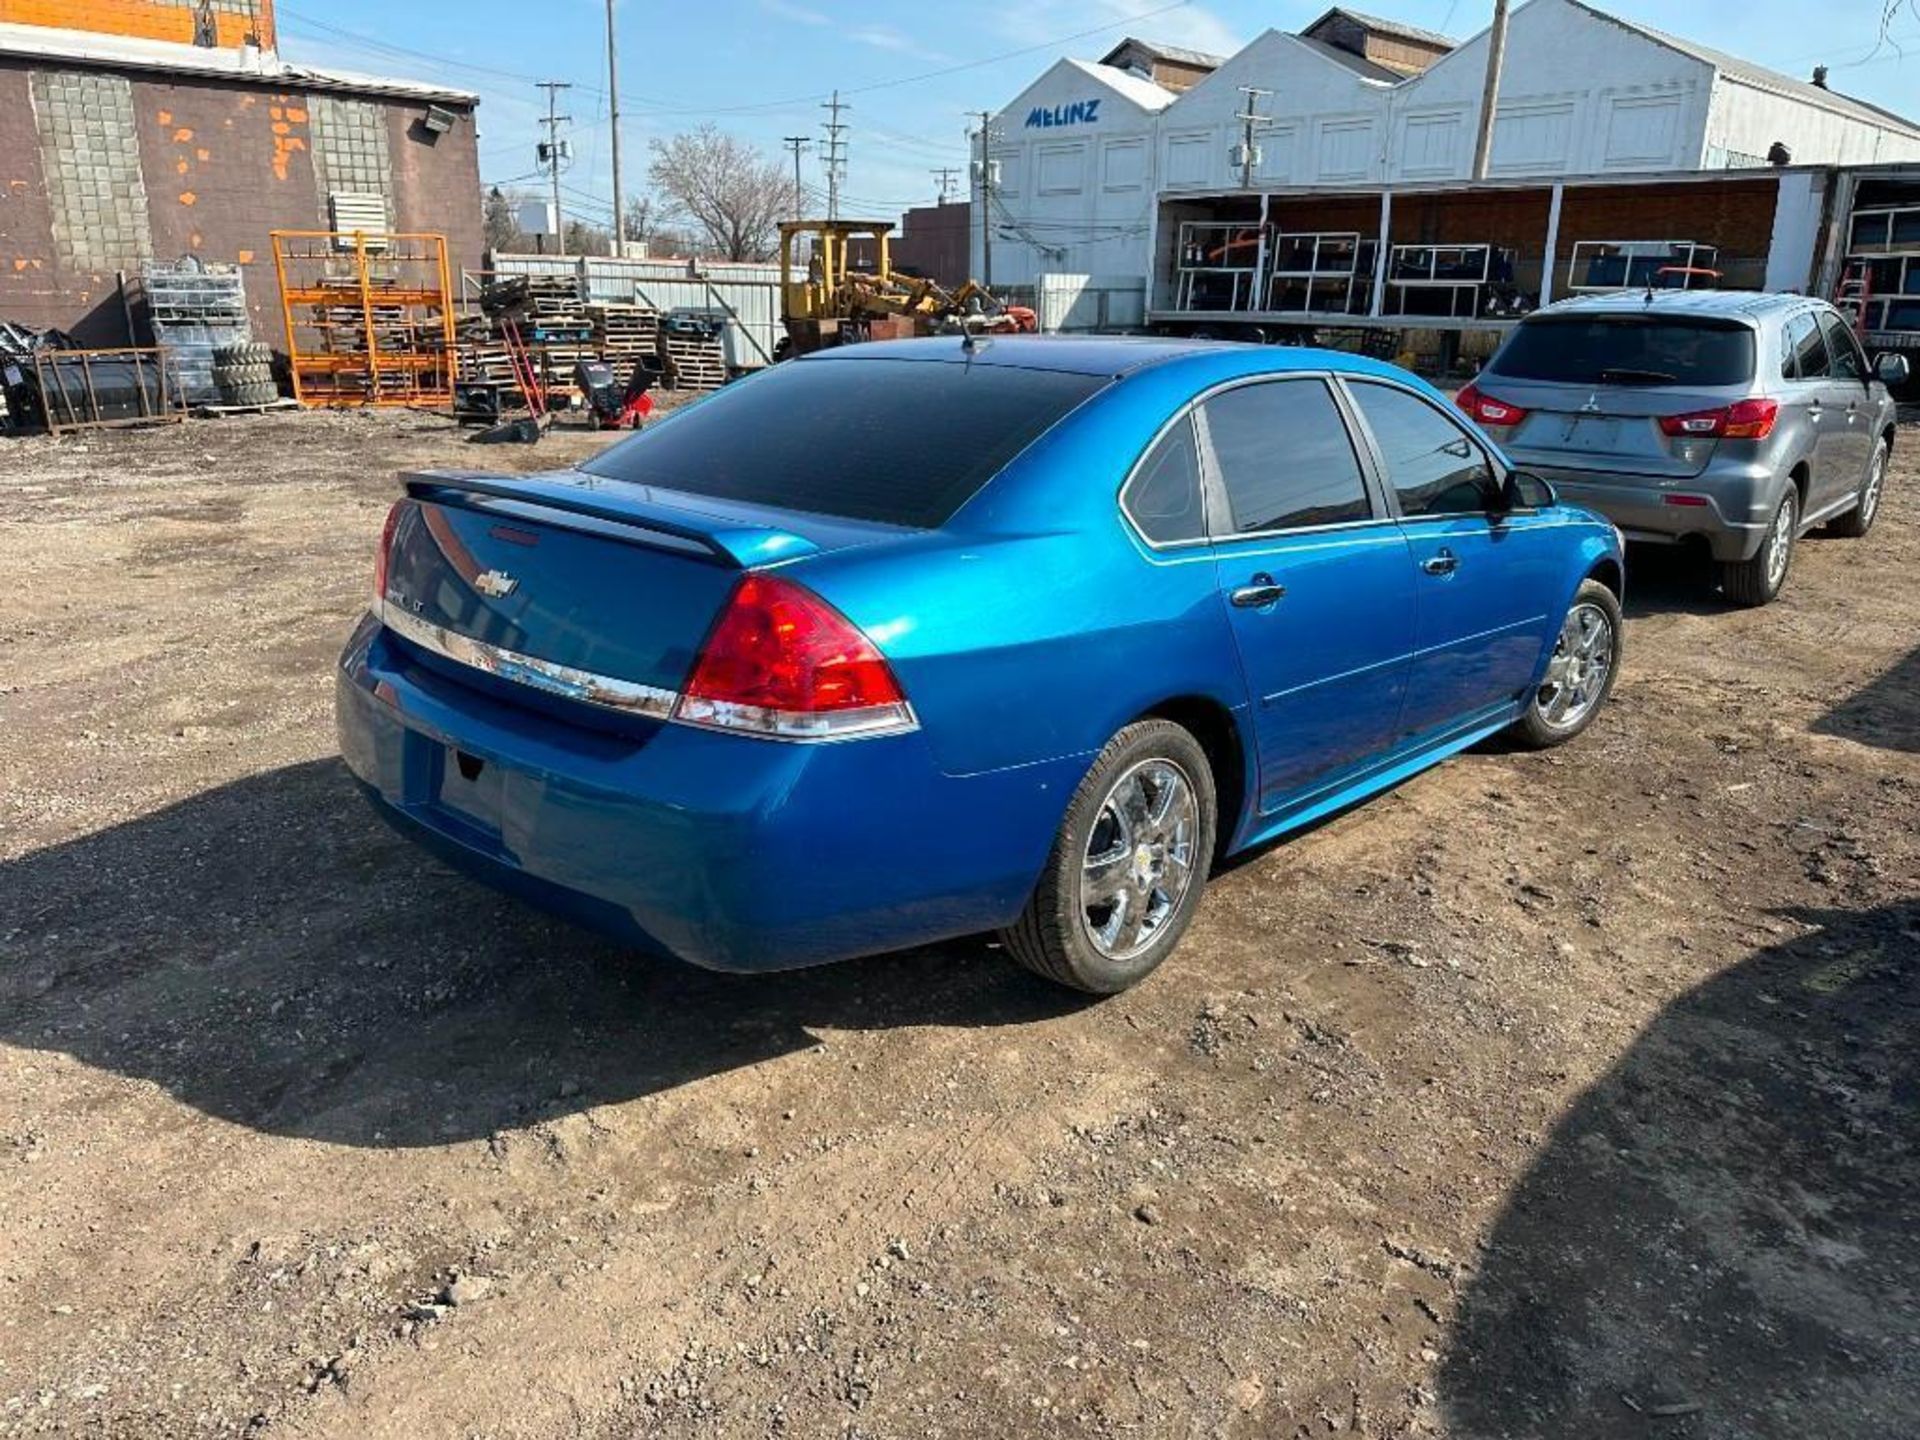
(1549, 1095)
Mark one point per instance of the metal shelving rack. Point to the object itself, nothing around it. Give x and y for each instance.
(1311, 267)
(1597, 265)
(1218, 259)
(1456, 275)
(370, 318)
(1885, 242)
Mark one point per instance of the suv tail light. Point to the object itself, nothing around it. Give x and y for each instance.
(1742, 420)
(385, 552)
(782, 662)
(1485, 410)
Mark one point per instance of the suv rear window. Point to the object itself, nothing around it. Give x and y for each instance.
(1627, 350)
(902, 442)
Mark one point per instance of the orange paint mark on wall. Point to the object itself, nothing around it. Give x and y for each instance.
(202, 155)
(165, 117)
(296, 114)
(280, 127)
(19, 265)
(187, 197)
(193, 240)
(182, 135)
(246, 257)
(180, 167)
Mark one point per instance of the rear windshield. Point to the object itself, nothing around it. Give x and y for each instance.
(903, 442)
(1627, 350)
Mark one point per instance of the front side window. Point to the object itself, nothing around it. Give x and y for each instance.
(1809, 349)
(1844, 348)
(1164, 495)
(1433, 465)
(1285, 457)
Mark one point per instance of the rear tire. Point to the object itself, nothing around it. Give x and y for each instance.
(1758, 580)
(1129, 865)
(1858, 521)
(1580, 676)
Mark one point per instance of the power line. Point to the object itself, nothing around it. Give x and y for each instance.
(554, 154)
(797, 143)
(836, 153)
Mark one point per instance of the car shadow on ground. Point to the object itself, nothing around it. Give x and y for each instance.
(1885, 712)
(271, 953)
(1718, 1240)
(1671, 580)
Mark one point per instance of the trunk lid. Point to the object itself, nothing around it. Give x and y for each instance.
(609, 579)
(1606, 428)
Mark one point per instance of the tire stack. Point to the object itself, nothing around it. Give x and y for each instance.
(244, 374)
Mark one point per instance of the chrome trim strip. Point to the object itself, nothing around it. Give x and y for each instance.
(629, 698)
(605, 691)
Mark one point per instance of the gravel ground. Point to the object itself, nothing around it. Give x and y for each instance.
(1549, 1095)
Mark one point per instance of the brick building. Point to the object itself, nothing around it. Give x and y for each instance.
(135, 130)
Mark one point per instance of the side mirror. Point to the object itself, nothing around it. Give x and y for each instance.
(1892, 368)
(1524, 490)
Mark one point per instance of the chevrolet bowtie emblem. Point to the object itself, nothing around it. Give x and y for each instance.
(495, 584)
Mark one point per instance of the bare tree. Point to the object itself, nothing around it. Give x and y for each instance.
(502, 223)
(737, 195)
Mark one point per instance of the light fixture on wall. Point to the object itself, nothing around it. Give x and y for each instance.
(438, 120)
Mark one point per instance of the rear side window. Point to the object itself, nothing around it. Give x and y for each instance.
(1809, 349)
(1433, 465)
(1843, 349)
(1627, 350)
(1285, 457)
(1164, 496)
(900, 441)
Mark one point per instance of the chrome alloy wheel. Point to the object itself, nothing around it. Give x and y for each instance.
(1140, 858)
(1577, 673)
(1876, 480)
(1780, 543)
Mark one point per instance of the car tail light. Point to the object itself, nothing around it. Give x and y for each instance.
(781, 661)
(385, 552)
(1692, 501)
(1742, 420)
(1485, 410)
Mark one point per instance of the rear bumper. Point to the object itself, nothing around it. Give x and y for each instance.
(1740, 503)
(729, 852)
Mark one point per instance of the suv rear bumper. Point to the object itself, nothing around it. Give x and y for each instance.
(1733, 521)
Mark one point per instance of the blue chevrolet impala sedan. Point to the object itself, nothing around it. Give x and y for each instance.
(907, 641)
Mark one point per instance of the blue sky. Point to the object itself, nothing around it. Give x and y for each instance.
(911, 72)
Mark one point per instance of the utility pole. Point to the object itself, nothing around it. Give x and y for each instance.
(985, 167)
(553, 122)
(1251, 123)
(1490, 97)
(945, 175)
(798, 143)
(836, 152)
(613, 114)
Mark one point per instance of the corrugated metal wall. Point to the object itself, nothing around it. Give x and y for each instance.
(750, 292)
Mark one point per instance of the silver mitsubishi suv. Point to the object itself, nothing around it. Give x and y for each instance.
(1726, 418)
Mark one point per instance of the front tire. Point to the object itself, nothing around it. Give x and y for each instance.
(1581, 672)
(1759, 580)
(1127, 869)
(1859, 520)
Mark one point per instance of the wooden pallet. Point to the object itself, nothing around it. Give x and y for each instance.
(693, 362)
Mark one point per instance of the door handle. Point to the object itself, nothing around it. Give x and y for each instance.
(1445, 563)
(1261, 592)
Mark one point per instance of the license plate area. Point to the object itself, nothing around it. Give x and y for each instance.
(1593, 433)
(469, 788)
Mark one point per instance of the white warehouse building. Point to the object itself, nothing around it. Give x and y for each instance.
(1083, 156)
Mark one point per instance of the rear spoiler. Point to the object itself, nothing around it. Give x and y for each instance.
(613, 506)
